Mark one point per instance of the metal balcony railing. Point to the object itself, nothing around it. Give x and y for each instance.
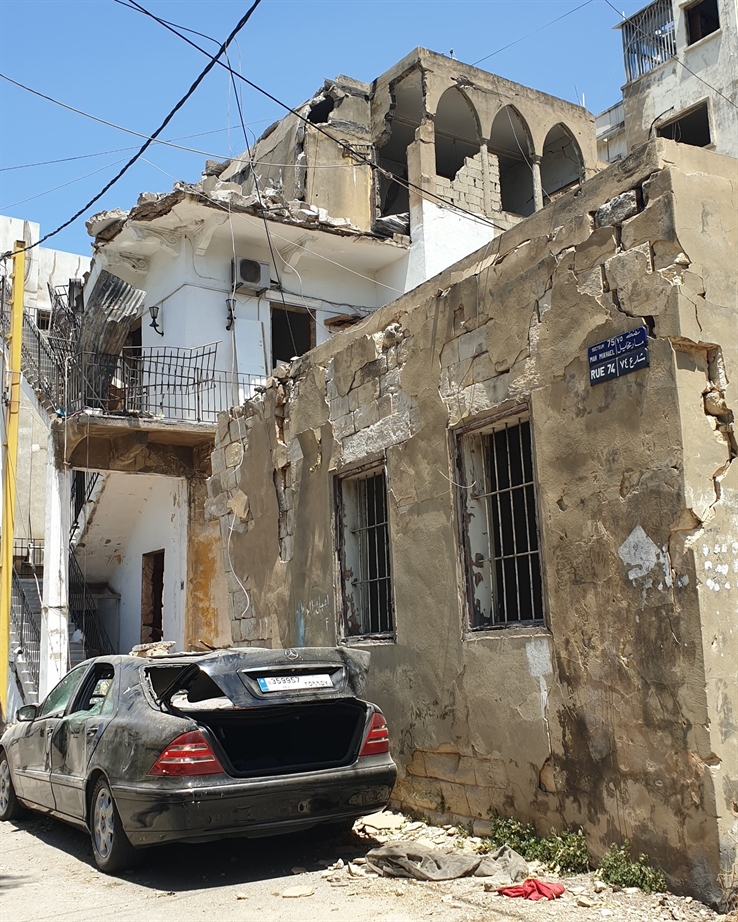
(28, 557)
(84, 615)
(649, 39)
(26, 629)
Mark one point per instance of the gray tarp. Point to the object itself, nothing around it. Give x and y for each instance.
(406, 859)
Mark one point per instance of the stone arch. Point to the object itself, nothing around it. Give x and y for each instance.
(457, 132)
(562, 164)
(510, 141)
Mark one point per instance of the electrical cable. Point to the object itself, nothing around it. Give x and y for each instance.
(534, 32)
(206, 70)
(63, 185)
(675, 57)
(388, 174)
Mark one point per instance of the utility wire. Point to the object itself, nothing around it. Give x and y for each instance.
(206, 70)
(388, 174)
(676, 56)
(62, 186)
(528, 35)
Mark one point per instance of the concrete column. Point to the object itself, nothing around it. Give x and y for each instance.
(537, 187)
(55, 602)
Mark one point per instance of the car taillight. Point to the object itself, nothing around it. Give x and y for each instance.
(377, 739)
(189, 754)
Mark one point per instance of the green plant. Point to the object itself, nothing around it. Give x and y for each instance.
(565, 850)
(617, 867)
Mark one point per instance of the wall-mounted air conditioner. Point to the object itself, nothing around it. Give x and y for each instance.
(250, 275)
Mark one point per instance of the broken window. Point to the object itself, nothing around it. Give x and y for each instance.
(364, 555)
(152, 596)
(500, 525)
(401, 122)
(702, 20)
(648, 39)
(456, 133)
(561, 164)
(692, 127)
(293, 333)
(510, 141)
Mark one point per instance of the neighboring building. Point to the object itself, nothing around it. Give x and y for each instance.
(536, 537)
(694, 101)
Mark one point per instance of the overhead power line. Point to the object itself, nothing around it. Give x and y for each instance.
(206, 70)
(534, 32)
(357, 155)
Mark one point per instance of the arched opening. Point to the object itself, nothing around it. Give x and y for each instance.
(561, 164)
(404, 120)
(456, 131)
(510, 141)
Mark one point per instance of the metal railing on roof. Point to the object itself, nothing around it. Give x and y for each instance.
(649, 39)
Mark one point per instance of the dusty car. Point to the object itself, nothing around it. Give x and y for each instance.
(194, 747)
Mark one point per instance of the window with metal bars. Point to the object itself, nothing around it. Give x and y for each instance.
(500, 526)
(364, 555)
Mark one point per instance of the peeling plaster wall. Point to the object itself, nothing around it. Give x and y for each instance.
(617, 715)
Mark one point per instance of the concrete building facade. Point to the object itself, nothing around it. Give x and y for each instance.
(532, 525)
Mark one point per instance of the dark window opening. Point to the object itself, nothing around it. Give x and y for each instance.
(692, 128)
(363, 537)
(501, 528)
(293, 334)
(402, 123)
(319, 113)
(456, 133)
(561, 163)
(510, 142)
(702, 20)
(152, 596)
(43, 319)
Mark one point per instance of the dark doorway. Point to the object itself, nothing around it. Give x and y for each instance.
(152, 596)
(293, 333)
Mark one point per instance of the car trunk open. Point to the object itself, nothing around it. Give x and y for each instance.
(287, 739)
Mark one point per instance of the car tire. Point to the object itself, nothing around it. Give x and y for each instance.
(10, 806)
(110, 845)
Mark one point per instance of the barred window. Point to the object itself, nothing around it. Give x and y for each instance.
(500, 526)
(364, 557)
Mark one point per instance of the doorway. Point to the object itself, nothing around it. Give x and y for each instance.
(152, 596)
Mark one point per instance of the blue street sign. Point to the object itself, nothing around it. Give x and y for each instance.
(618, 356)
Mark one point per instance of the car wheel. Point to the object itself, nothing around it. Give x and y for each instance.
(110, 846)
(10, 807)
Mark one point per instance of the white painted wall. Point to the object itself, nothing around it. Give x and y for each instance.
(136, 514)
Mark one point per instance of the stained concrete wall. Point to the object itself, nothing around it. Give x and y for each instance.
(615, 714)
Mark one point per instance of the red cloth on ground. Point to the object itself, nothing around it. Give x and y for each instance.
(533, 889)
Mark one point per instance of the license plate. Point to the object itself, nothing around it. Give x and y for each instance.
(294, 682)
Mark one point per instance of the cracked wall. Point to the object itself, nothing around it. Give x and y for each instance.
(617, 714)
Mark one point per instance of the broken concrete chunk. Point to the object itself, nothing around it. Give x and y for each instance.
(383, 820)
(293, 893)
(617, 209)
(104, 219)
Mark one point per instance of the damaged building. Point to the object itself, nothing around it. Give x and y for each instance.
(517, 485)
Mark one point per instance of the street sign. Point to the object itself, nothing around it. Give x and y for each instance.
(618, 356)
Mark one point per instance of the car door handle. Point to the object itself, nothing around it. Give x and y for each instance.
(49, 731)
(91, 731)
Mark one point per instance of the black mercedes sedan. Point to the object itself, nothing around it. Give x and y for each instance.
(194, 747)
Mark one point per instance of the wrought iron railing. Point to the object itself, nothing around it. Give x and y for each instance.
(158, 382)
(26, 629)
(84, 615)
(649, 39)
(83, 486)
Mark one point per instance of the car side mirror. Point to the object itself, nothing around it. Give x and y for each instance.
(27, 712)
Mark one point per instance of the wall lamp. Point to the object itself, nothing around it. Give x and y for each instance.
(154, 311)
(231, 306)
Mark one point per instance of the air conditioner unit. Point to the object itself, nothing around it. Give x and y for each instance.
(250, 274)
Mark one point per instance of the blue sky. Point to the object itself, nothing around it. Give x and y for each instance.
(104, 59)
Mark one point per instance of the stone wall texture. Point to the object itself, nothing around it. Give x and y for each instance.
(618, 714)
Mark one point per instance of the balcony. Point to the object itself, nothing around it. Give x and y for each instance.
(649, 39)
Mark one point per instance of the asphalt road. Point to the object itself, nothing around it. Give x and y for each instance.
(47, 872)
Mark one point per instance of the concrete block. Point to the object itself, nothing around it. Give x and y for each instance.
(344, 426)
(601, 245)
(367, 415)
(233, 454)
(217, 461)
(617, 209)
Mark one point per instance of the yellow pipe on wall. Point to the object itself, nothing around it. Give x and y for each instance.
(13, 376)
